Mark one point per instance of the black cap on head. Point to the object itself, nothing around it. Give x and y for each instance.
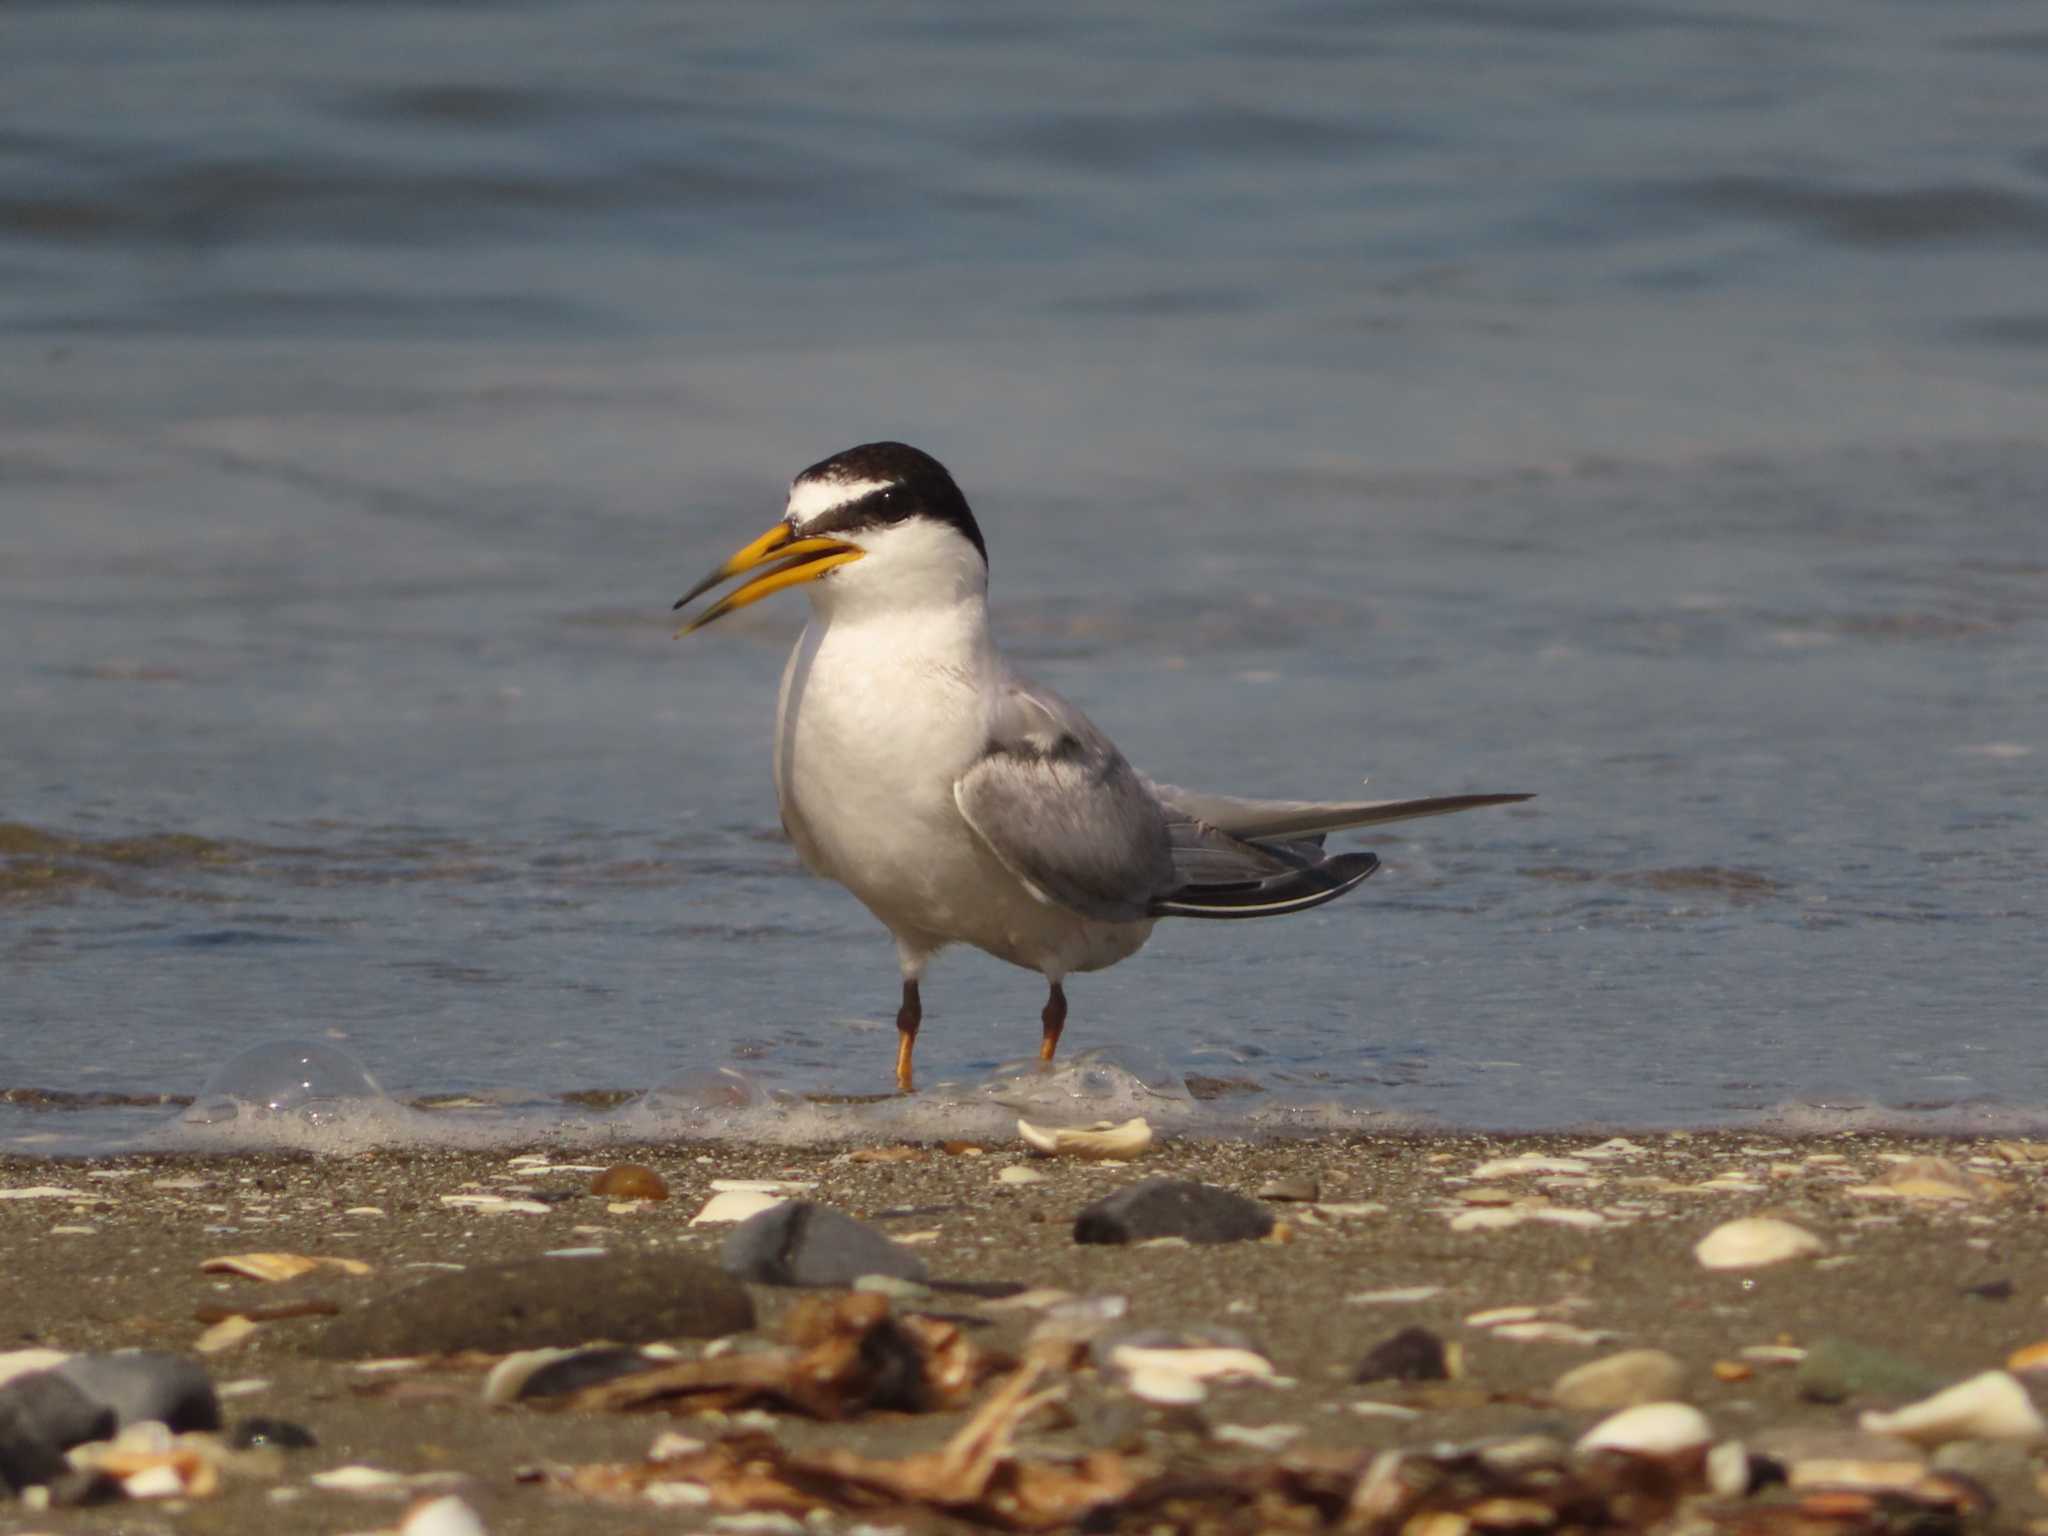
(909, 483)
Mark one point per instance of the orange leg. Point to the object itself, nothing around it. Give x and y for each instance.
(908, 1017)
(1054, 1018)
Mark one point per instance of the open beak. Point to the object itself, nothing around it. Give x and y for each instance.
(790, 562)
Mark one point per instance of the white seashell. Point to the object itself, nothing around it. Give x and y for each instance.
(1095, 1142)
(42, 1192)
(1371, 1409)
(1552, 1333)
(278, 1266)
(735, 1205)
(1493, 1317)
(358, 1479)
(1216, 1363)
(763, 1186)
(677, 1495)
(1394, 1296)
(445, 1516)
(1507, 1167)
(510, 1374)
(1271, 1438)
(1017, 1173)
(158, 1482)
(1159, 1384)
(228, 1333)
(1614, 1146)
(1652, 1429)
(1752, 1241)
(1728, 1469)
(1991, 1406)
(497, 1205)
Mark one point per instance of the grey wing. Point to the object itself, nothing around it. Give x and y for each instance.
(1263, 821)
(1055, 801)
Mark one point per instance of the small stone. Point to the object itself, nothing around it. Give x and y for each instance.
(1625, 1380)
(629, 1298)
(1413, 1354)
(1990, 1406)
(1732, 1371)
(1201, 1213)
(1650, 1429)
(630, 1181)
(1835, 1370)
(146, 1386)
(800, 1242)
(1295, 1187)
(1753, 1241)
(1017, 1173)
(262, 1433)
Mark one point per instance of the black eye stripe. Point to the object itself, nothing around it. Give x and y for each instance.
(911, 484)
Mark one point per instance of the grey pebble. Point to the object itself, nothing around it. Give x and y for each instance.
(1201, 1213)
(800, 1242)
(142, 1385)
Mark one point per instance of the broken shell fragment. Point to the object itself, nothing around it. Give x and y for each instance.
(1650, 1429)
(1100, 1141)
(1990, 1406)
(278, 1266)
(1753, 1241)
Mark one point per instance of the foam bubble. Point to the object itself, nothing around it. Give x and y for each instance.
(306, 1080)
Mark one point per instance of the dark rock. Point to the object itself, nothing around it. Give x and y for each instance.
(1990, 1290)
(800, 1242)
(1413, 1354)
(633, 1298)
(27, 1455)
(56, 1409)
(585, 1368)
(142, 1384)
(273, 1434)
(1201, 1213)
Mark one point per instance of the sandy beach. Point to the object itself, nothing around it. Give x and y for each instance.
(1931, 1267)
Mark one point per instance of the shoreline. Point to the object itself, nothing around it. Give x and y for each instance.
(1412, 1229)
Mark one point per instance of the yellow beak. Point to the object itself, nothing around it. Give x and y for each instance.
(791, 562)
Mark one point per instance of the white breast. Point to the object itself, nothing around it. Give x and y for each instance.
(877, 721)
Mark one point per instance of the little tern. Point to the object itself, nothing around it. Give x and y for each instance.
(964, 805)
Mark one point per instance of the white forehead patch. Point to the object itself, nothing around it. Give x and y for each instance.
(812, 499)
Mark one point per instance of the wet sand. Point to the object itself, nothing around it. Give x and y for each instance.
(1953, 1284)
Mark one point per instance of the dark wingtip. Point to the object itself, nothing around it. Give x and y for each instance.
(1298, 890)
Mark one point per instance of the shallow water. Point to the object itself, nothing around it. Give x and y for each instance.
(1638, 405)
